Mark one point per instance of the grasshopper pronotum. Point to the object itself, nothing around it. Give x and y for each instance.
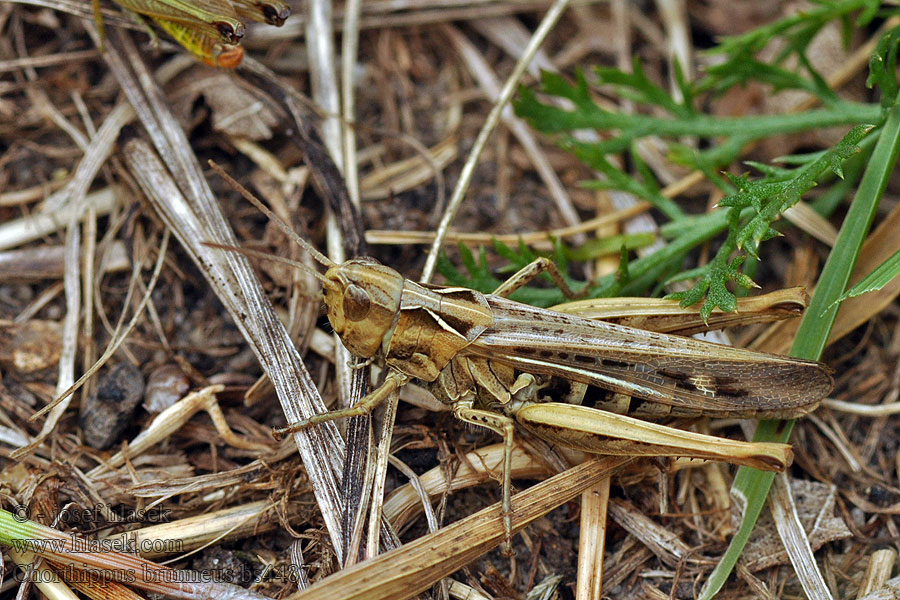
(480, 354)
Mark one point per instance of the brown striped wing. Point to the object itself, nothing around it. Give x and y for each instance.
(689, 376)
(214, 18)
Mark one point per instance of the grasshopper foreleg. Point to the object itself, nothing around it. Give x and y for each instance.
(505, 428)
(365, 406)
(527, 273)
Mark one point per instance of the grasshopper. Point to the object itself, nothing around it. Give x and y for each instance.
(216, 19)
(209, 29)
(485, 355)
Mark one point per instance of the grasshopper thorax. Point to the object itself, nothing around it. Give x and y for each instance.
(363, 299)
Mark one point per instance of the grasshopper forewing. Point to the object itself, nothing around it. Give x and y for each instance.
(484, 354)
(214, 17)
(688, 376)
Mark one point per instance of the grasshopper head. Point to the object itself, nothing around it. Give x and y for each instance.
(363, 299)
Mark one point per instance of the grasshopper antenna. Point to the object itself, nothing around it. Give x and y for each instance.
(320, 258)
(270, 257)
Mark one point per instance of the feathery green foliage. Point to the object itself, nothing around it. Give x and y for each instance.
(752, 207)
(857, 167)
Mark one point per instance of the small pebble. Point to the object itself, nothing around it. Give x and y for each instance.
(166, 385)
(107, 412)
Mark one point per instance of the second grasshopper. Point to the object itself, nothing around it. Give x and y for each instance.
(210, 29)
(486, 356)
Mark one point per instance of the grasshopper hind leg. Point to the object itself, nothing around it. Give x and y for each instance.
(505, 428)
(533, 269)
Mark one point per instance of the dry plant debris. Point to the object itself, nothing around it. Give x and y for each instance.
(167, 447)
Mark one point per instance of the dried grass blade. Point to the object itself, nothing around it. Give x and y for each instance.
(70, 332)
(413, 568)
(487, 79)
(795, 541)
(351, 380)
(16, 232)
(104, 564)
(193, 213)
(201, 530)
(503, 98)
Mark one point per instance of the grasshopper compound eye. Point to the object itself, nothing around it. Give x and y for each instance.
(356, 303)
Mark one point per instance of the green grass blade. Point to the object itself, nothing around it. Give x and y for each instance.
(813, 333)
(882, 275)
